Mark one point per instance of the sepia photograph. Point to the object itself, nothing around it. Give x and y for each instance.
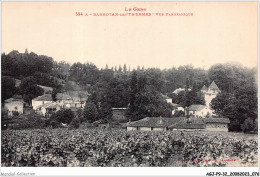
(129, 84)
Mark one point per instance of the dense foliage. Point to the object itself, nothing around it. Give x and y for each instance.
(99, 147)
(238, 100)
(64, 116)
(138, 89)
(8, 88)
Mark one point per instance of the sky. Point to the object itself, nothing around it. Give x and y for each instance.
(218, 32)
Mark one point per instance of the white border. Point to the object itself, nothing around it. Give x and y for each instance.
(131, 171)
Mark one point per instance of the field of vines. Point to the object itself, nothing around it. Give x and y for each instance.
(118, 148)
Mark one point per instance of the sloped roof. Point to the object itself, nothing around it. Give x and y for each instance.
(162, 121)
(165, 97)
(119, 108)
(73, 95)
(175, 105)
(213, 86)
(79, 95)
(176, 91)
(204, 88)
(50, 105)
(217, 120)
(152, 122)
(45, 97)
(63, 96)
(46, 88)
(196, 107)
(188, 126)
(9, 100)
(177, 122)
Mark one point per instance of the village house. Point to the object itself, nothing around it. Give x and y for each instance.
(64, 99)
(14, 105)
(198, 111)
(48, 109)
(178, 90)
(166, 98)
(208, 94)
(179, 123)
(47, 90)
(79, 98)
(73, 99)
(150, 124)
(41, 100)
(217, 124)
(176, 108)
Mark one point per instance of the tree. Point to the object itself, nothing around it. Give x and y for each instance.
(145, 100)
(75, 123)
(63, 116)
(179, 113)
(248, 125)
(120, 68)
(90, 112)
(256, 125)
(186, 98)
(125, 68)
(29, 89)
(8, 88)
(105, 111)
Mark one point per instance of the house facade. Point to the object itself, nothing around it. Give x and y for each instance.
(177, 108)
(198, 111)
(73, 99)
(150, 124)
(14, 105)
(179, 123)
(41, 100)
(64, 99)
(48, 109)
(217, 124)
(208, 94)
(166, 98)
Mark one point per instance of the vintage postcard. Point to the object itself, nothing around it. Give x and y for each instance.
(129, 84)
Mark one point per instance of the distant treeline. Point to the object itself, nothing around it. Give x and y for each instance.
(120, 87)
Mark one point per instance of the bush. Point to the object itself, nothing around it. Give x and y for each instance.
(256, 126)
(63, 116)
(54, 123)
(90, 112)
(179, 113)
(15, 113)
(75, 123)
(29, 123)
(4, 113)
(248, 125)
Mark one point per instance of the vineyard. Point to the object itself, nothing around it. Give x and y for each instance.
(116, 148)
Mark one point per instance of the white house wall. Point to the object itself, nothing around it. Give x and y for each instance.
(145, 128)
(131, 128)
(35, 104)
(159, 129)
(14, 106)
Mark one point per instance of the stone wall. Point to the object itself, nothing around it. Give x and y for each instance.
(131, 128)
(216, 127)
